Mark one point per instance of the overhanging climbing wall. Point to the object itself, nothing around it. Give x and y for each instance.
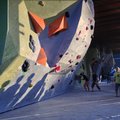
(53, 57)
(68, 47)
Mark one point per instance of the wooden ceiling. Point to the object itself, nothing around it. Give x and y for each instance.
(107, 26)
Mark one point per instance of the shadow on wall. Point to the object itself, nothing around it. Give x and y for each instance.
(10, 97)
(34, 94)
(22, 92)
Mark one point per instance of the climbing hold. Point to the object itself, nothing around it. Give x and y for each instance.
(41, 3)
(86, 28)
(79, 32)
(52, 87)
(67, 14)
(60, 55)
(91, 27)
(70, 61)
(57, 68)
(30, 85)
(77, 38)
(25, 66)
(78, 57)
(32, 43)
(77, 63)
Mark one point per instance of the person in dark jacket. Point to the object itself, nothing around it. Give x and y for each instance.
(94, 67)
(95, 82)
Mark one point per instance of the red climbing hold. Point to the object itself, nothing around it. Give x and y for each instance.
(86, 28)
(78, 57)
(57, 68)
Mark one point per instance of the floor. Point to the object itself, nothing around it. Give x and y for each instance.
(75, 104)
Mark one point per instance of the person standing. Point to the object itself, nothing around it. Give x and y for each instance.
(95, 77)
(117, 81)
(95, 82)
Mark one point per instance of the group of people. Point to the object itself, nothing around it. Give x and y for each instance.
(85, 80)
(95, 78)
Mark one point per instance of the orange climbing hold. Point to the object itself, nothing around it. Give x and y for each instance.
(58, 25)
(38, 23)
(42, 58)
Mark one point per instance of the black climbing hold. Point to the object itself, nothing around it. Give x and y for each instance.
(60, 55)
(25, 66)
(91, 27)
(67, 14)
(77, 38)
(32, 43)
(70, 61)
(52, 87)
(77, 63)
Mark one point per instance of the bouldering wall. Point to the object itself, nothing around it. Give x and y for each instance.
(52, 53)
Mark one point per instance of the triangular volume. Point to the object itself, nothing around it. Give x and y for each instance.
(42, 58)
(38, 23)
(58, 25)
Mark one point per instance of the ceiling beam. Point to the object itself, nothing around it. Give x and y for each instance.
(107, 28)
(106, 19)
(103, 2)
(108, 13)
(108, 23)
